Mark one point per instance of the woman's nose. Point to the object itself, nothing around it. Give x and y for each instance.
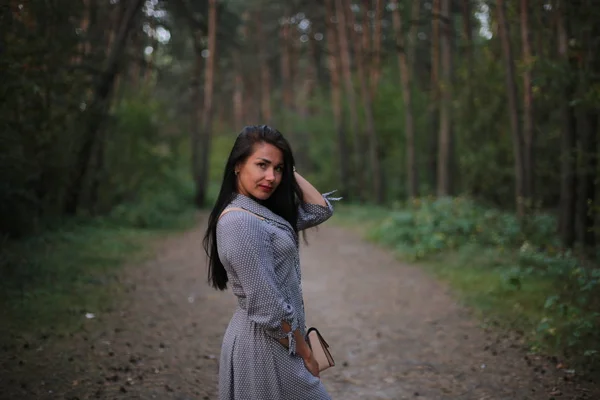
(270, 175)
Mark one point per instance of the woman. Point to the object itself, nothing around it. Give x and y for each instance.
(252, 242)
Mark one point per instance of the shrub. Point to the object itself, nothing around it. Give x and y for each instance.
(569, 318)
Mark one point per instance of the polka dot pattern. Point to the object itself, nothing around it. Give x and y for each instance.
(262, 262)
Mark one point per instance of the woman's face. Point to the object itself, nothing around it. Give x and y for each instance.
(261, 173)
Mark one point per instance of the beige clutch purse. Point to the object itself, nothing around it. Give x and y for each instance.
(320, 349)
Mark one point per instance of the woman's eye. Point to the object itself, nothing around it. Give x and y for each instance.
(279, 169)
(262, 165)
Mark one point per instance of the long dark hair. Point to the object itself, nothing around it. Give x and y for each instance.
(284, 201)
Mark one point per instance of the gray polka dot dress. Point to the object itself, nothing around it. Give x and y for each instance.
(262, 262)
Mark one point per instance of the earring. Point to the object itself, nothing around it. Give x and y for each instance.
(236, 172)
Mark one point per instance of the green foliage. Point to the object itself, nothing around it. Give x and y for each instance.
(70, 266)
(512, 271)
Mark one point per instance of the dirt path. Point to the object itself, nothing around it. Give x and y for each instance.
(395, 334)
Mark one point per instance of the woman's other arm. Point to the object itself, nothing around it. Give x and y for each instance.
(310, 194)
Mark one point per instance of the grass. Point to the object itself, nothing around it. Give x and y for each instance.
(481, 277)
(51, 281)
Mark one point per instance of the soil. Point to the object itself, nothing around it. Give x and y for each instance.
(395, 333)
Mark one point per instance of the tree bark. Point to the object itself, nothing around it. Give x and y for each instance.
(238, 93)
(286, 73)
(415, 12)
(336, 97)
(444, 162)
(98, 107)
(590, 132)
(468, 33)
(342, 28)
(201, 177)
(568, 184)
(513, 108)
(528, 132)
(373, 141)
(434, 92)
(405, 78)
(376, 67)
(587, 188)
(196, 103)
(265, 75)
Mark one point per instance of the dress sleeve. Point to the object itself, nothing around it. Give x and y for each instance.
(249, 251)
(310, 215)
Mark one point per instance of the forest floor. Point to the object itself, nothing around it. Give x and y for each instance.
(395, 332)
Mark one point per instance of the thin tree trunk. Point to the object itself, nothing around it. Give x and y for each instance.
(568, 180)
(434, 92)
(467, 89)
(265, 75)
(528, 133)
(196, 102)
(201, 178)
(376, 66)
(238, 93)
(513, 108)
(372, 138)
(445, 140)
(365, 38)
(83, 48)
(587, 196)
(342, 28)
(336, 97)
(588, 163)
(134, 70)
(412, 187)
(468, 33)
(150, 62)
(286, 74)
(305, 91)
(98, 106)
(415, 12)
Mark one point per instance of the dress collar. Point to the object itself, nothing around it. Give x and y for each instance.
(242, 201)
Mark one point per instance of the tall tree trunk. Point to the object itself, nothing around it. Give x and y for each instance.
(415, 13)
(434, 92)
(468, 37)
(238, 93)
(336, 97)
(98, 107)
(201, 177)
(134, 70)
(83, 48)
(409, 129)
(468, 33)
(528, 132)
(568, 184)
(444, 162)
(305, 92)
(373, 141)
(587, 209)
(286, 74)
(196, 102)
(265, 75)
(587, 177)
(513, 108)
(342, 29)
(376, 66)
